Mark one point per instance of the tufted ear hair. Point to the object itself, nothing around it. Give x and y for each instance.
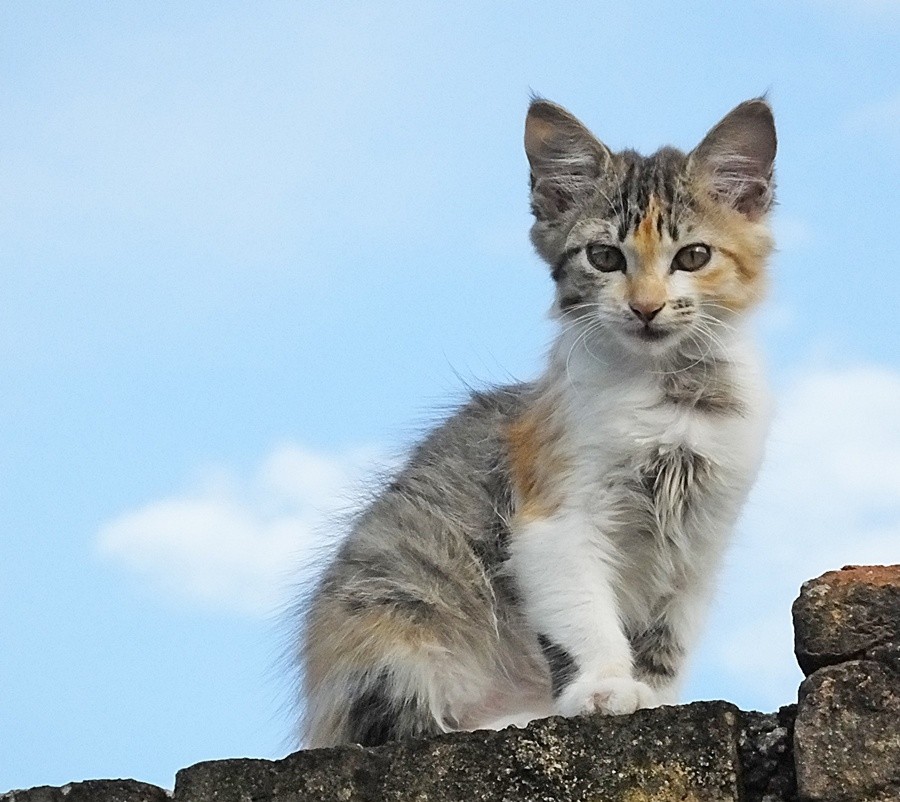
(738, 156)
(566, 159)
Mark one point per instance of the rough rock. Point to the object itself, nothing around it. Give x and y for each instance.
(767, 756)
(847, 734)
(91, 791)
(687, 753)
(850, 614)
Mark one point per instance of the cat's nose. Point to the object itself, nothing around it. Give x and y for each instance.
(646, 312)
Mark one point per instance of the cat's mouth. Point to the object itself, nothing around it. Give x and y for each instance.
(651, 333)
(654, 338)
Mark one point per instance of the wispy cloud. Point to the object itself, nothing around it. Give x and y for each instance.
(240, 546)
(829, 495)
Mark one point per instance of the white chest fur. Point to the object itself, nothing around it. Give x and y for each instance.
(655, 482)
(649, 472)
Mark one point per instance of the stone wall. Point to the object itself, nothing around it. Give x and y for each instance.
(840, 743)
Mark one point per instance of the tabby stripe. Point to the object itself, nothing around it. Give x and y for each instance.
(373, 718)
(563, 261)
(568, 301)
(561, 663)
(657, 653)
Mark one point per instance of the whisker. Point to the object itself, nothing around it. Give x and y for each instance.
(575, 323)
(581, 338)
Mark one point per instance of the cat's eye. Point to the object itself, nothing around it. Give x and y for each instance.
(606, 258)
(692, 257)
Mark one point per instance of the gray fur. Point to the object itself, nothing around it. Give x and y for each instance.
(453, 497)
(430, 553)
(706, 385)
(657, 653)
(739, 154)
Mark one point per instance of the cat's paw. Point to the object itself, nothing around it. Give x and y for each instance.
(613, 696)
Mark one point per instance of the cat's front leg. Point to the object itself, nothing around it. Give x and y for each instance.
(659, 658)
(564, 574)
(660, 646)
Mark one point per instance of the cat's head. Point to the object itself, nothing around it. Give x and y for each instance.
(654, 250)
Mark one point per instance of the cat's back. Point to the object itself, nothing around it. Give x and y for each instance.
(440, 520)
(459, 470)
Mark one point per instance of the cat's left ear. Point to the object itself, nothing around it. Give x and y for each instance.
(738, 156)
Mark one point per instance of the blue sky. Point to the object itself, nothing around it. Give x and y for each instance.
(249, 251)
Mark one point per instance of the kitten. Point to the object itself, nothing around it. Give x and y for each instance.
(551, 548)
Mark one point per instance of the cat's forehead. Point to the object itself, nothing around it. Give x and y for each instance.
(648, 193)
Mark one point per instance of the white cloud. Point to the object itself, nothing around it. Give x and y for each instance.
(241, 548)
(828, 495)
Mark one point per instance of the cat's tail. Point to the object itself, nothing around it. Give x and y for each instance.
(373, 706)
(384, 672)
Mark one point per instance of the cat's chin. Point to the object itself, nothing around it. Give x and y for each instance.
(653, 341)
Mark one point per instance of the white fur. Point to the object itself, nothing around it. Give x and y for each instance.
(581, 580)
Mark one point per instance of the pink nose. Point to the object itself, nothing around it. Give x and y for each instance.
(646, 312)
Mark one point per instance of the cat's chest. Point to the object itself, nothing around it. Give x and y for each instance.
(661, 455)
(663, 488)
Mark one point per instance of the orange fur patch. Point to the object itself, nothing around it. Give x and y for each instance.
(358, 640)
(747, 270)
(534, 464)
(645, 289)
(646, 235)
(738, 279)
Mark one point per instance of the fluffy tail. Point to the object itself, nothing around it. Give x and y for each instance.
(370, 708)
(400, 640)
(387, 672)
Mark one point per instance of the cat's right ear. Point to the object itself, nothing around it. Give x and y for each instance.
(566, 159)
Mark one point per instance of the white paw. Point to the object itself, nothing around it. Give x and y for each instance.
(613, 696)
